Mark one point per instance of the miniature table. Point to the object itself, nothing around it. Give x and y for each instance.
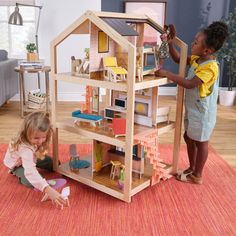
(21, 72)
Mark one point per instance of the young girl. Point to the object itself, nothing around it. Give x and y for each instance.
(201, 90)
(27, 151)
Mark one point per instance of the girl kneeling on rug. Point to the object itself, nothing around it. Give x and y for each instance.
(201, 91)
(27, 151)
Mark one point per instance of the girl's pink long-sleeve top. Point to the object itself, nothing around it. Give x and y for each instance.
(25, 156)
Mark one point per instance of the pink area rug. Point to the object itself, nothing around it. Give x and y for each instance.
(169, 208)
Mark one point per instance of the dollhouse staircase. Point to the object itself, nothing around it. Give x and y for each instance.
(149, 142)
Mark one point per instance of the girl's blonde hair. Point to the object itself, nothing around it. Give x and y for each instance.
(34, 122)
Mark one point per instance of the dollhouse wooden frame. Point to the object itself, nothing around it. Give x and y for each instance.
(123, 43)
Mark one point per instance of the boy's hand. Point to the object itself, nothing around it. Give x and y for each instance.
(161, 73)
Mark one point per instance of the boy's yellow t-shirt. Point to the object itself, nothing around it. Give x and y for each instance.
(207, 73)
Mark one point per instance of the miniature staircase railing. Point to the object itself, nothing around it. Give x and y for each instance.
(149, 141)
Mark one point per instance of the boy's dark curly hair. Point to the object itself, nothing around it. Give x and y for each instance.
(216, 33)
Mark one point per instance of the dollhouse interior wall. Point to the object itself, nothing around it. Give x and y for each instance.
(113, 153)
(96, 57)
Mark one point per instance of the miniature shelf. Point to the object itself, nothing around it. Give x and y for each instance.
(92, 132)
(67, 77)
(148, 82)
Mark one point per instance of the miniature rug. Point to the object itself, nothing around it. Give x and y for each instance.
(168, 208)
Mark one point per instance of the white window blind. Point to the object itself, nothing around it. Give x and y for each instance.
(15, 38)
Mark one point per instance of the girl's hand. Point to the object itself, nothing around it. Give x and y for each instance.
(161, 73)
(55, 197)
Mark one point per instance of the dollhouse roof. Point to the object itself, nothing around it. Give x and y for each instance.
(115, 25)
(121, 26)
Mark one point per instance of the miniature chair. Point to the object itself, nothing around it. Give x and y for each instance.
(112, 71)
(79, 67)
(115, 169)
(118, 127)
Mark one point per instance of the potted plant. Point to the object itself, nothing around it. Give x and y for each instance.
(86, 50)
(98, 156)
(31, 52)
(228, 54)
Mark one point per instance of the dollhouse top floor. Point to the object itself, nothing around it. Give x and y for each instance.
(118, 36)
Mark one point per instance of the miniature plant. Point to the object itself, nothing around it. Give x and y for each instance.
(228, 52)
(31, 47)
(86, 50)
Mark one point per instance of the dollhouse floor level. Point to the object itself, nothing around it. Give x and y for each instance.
(148, 82)
(101, 180)
(102, 134)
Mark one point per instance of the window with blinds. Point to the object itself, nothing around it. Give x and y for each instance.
(15, 38)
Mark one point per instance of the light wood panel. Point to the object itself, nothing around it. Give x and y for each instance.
(223, 139)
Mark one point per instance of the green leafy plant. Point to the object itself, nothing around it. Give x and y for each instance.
(228, 52)
(31, 47)
(86, 50)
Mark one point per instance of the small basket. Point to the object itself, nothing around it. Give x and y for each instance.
(36, 99)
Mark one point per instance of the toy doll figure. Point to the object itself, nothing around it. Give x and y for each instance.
(163, 51)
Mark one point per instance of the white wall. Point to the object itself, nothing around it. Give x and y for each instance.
(56, 16)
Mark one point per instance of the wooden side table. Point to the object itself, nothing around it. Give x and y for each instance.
(21, 72)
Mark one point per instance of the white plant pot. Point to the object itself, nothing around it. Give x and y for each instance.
(226, 98)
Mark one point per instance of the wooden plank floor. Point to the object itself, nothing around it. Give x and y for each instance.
(223, 138)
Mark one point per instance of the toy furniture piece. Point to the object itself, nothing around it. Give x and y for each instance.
(65, 193)
(115, 169)
(163, 114)
(143, 67)
(112, 71)
(80, 67)
(118, 126)
(21, 71)
(125, 37)
(122, 177)
(84, 117)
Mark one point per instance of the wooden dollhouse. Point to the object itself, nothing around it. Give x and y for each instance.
(131, 95)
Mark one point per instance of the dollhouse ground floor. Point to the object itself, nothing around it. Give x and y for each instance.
(101, 180)
(107, 177)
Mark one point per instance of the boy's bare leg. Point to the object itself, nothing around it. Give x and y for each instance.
(192, 151)
(202, 154)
